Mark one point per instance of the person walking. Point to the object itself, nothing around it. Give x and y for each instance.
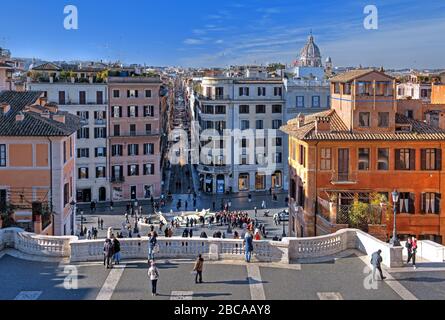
(248, 245)
(263, 204)
(199, 267)
(111, 205)
(411, 245)
(153, 275)
(101, 224)
(152, 242)
(108, 253)
(117, 251)
(376, 262)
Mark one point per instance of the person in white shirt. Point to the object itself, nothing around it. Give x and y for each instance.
(153, 274)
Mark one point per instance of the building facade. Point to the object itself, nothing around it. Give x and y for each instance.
(356, 154)
(37, 164)
(135, 137)
(246, 112)
(85, 95)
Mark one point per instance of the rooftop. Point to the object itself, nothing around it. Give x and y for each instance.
(339, 131)
(33, 123)
(354, 74)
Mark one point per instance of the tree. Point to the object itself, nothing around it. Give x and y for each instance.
(358, 216)
(6, 216)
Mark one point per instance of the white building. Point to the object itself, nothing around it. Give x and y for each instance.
(254, 158)
(83, 97)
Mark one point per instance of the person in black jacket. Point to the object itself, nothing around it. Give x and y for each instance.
(108, 253)
(117, 251)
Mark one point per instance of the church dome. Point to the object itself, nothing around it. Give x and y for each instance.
(310, 55)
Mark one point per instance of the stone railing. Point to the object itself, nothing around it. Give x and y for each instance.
(212, 249)
(290, 249)
(35, 245)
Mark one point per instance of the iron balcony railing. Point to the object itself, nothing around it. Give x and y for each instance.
(344, 177)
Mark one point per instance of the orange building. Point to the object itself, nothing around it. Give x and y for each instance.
(438, 94)
(358, 153)
(37, 164)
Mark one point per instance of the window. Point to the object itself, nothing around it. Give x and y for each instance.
(316, 102)
(64, 151)
(132, 93)
(260, 181)
(99, 97)
(132, 130)
(61, 97)
(2, 155)
(117, 172)
(149, 149)
(83, 133)
(261, 91)
(243, 182)
(117, 150)
(431, 159)
(100, 115)
(83, 173)
(66, 194)
(363, 119)
(244, 91)
(133, 149)
(261, 109)
(133, 170)
(117, 130)
(406, 203)
(276, 124)
(383, 159)
(208, 109)
(100, 152)
(219, 93)
(405, 159)
(430, 203)
(148, 128)
(83, 153)
(243, 109)
(149, 111)
(337, 88)
(383, 119)
(101, 172)
(245, 124)
(116, 94)
(100, 133)
(300, 101)
(277, 91)
(148, 93)
(302, 159)
(278, 158)
(347, 88)
(83, 115)
(409, 114)
(133, 111)
(277, 108)
(117, 112)
(149, 169)
(363, 159)
(220, 110)
(82, 97)
(326, 159)
(278, 142)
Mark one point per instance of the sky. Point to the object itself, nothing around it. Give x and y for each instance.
(198, 33)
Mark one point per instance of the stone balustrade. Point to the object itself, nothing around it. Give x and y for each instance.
(290, 249)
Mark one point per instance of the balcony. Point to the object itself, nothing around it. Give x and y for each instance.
(100, 122)
(344, 178)
(213, 169)
(214, 97)
(118, 179)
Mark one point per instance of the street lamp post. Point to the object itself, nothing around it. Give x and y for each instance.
(395, 240)
(284, 228)
(73, 212)
(81, 224)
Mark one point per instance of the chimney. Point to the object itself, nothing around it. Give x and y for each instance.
(59, 118)
(442, 120)
(20, 117)
(4, 108)
(301, 119)
(322, 124)
(43, 101)
(45, 114)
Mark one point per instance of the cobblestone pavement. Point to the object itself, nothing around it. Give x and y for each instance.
(347, 278)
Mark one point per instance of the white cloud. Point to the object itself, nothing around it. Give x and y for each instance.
(193, 42)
